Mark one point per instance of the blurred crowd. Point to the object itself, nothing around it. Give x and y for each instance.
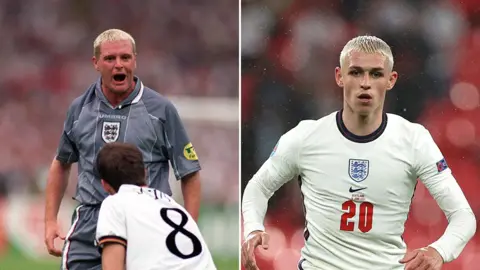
(184, 48)
(289, 52)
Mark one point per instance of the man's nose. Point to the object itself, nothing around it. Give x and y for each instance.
(365, 83)
(118, 63)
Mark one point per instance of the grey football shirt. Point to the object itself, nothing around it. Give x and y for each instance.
(145, 118)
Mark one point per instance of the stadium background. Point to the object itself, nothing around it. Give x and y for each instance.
(188, 51)
(289, 51)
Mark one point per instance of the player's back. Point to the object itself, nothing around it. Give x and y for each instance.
(160, 232)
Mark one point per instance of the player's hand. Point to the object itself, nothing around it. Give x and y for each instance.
(52, 231)
(422, 259)
(253, 240)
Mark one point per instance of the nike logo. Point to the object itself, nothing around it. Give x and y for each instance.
(355, 189)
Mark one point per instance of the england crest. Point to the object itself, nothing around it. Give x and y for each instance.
(358, 169)
(110, 131)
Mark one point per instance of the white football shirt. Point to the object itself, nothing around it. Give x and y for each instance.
(158, 232)
(357, 190)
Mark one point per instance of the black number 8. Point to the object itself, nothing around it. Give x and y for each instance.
(178, 228)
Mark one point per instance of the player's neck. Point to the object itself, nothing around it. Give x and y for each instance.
(361, 125)
(115, 99)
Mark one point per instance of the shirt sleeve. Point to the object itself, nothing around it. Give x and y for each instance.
(182, 155)
(281, 167)
(67, 151)
(111, 225)
(433, 171)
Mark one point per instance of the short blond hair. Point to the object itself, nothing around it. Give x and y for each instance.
(112, 35)
(367, 44)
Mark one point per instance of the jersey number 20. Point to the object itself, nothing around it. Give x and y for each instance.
(179, 228)
(365, 219)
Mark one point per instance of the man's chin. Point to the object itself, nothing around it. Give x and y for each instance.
(119, 89)
(364, 110)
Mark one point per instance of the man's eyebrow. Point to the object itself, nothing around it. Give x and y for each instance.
(372, 69)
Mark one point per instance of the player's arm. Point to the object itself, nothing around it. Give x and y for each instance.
(191, 191)
(57, 182)
(113, 256)
(184, 160)
(281, 167)
(438, 179)
(111, 234)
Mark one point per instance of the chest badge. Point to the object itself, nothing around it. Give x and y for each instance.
(358, 169)
(110, 131)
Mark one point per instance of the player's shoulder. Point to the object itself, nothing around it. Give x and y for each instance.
(309, 126)
(404, 127)
(111, 200)
(120, 198)
(88, 96)
(312, 124)
(156, 104)
(305, 128)
(115, 203)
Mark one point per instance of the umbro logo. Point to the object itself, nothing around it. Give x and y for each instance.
(355, 189)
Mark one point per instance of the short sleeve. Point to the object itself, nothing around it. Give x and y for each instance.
(111, 225)
(67, 151)
(181, 152)
(429, 160)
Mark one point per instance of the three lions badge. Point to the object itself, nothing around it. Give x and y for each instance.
(110, 131)
(358, 169)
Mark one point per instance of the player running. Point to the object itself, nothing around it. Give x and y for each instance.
(358, 168)
(140, 227)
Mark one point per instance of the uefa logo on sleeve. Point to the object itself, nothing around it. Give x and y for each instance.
(274, 150)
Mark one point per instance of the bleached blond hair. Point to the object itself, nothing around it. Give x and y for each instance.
(367, 44)
(109, 36)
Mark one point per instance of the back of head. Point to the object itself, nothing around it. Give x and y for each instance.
(367, 44)
(121, 163)
(110, 36)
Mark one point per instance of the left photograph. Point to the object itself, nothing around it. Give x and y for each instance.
(119, 127)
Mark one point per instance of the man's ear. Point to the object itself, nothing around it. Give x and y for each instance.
(392, 80)
(339, 77)
(95, 63)
(107, 187)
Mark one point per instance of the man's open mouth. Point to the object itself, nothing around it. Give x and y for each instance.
(119, 77)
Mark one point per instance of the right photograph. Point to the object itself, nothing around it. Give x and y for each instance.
(360, 135)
